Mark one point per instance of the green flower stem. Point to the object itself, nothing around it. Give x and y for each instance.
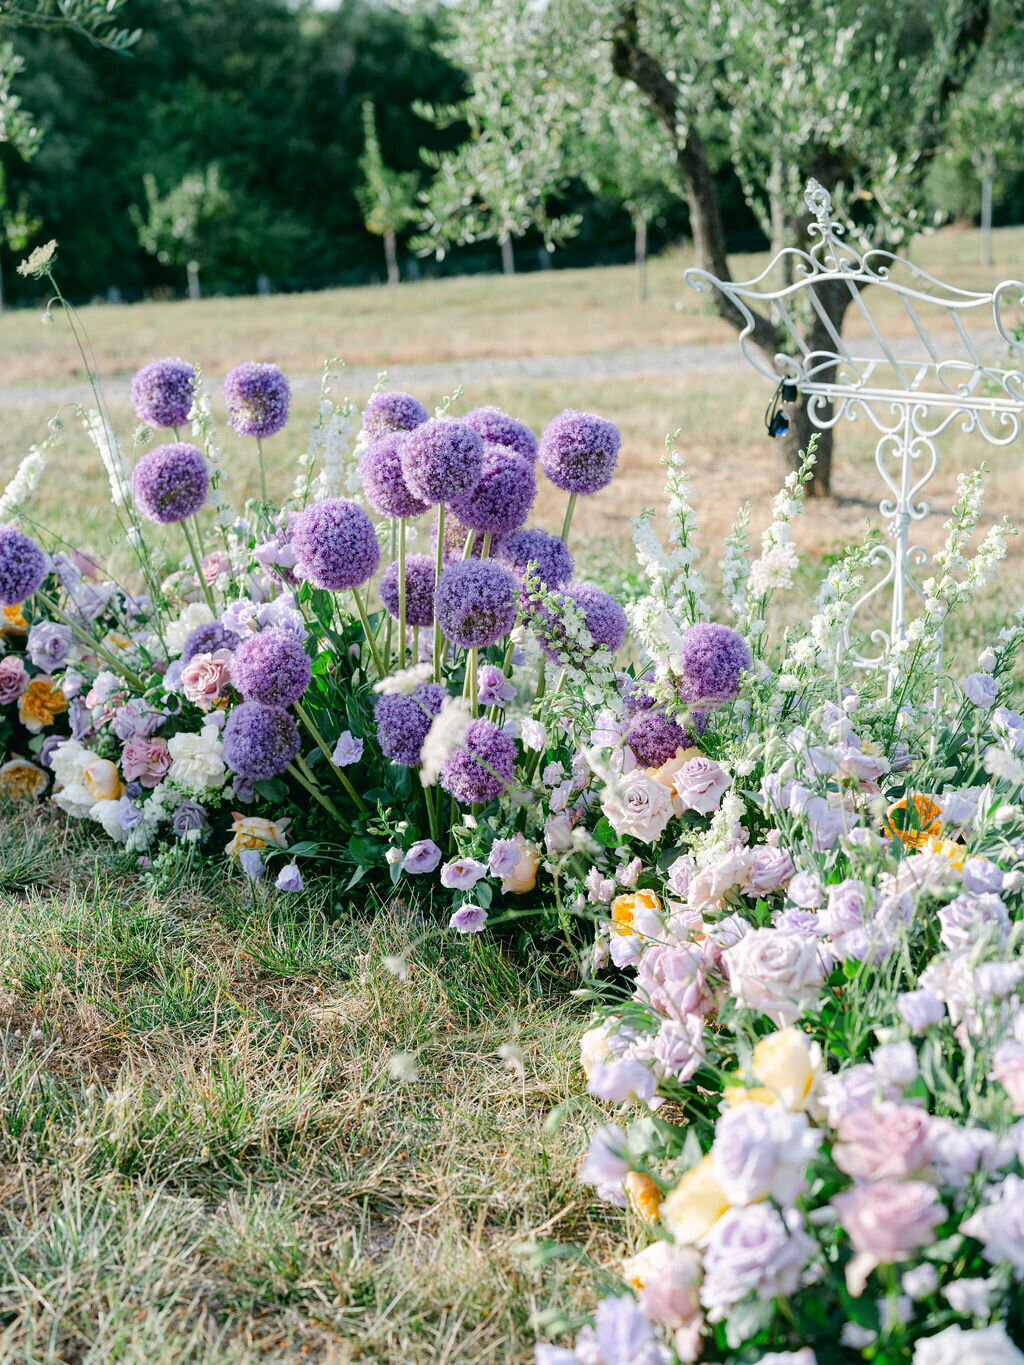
(467, 549)
(193, 550)
(438, 566)
(93, 645)
(387, 627)
(318, 795)
(263, 469)
(428, 796)
(321, 744)
(371, 639)
(485, 552)
(401, 593)
(567, 523)
(415, 645)
(474, 705)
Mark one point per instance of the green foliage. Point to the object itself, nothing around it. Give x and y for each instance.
(386, 197)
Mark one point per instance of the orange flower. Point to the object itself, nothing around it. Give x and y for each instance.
(914, 820)
(625, 907)
(40, 702)
(12, 622)
(21, 780)
(644, 1195)
(103, 780)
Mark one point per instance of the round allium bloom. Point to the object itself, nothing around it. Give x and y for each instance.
(635, 698)
(22, 566)
(171, 482)
(498, 428)
(475, 602)
(501, 499)
(605, 621)
(258, 397)
(551, 557)
(335, 544)
(713, 657)
(455, 537)
(441, 459)
(207, 639)
(272, 667)
(420, 580)
(403, 719)
(259, 741)
(163, 391)
(383, 481)
(467, 779)
(392, 411)
(578, 451)
(655, 738)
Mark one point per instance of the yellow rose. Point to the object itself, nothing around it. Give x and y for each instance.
(666, 774)
(103, 780)
(12, 622)
(695, 1205)
(21, 780)
(252, 831)
(956, 853)
(523, 877)
(39, 703)
(785, 1067)
(644, 1195)
(625, 907)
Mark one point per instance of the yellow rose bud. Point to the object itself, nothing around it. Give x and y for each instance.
(523, 877)
(666, 774)
(625, 907)
(644, 1195)
(103, 780)
(785, 1066)
(692, 1209)
(252, 831)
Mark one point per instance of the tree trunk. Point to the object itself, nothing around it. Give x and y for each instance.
(640, 254)
(508, 259)
(986, 220)
(192, 272)
(391, 256)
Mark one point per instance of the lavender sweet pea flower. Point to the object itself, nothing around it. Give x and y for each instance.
(622, 1079)
(348, 750)
(920, 1009)
(129, 814)
(423, 856)
(469, 919)
(981, 689)
(136, 719)
(252, 863)
(981, 875)
(605, 1162)
(49, 645)
(493, 688)
(462, 873)
(79, 719)
(290, 879)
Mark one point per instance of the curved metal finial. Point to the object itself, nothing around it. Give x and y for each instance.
(819, 201)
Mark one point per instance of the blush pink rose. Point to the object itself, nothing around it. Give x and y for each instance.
(145, 760)
(205, 678)
(709, 886)
(884, 1142)
(889, 1220)
(700, 785)
(769, 869)
(13, 679)
(214, 565)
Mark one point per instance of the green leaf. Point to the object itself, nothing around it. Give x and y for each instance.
(746, 1320)
(604, 834)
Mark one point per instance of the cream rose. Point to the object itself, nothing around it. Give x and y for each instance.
(775, 972)
(639, 808)
(197, 761)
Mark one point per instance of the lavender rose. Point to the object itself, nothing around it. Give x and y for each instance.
(700, 785)
(776, 972)
(13, 679)
(887, 1221)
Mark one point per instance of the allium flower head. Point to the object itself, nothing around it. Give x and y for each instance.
(335, 543)
(578, 451)
(655, 738)
(501, 499)
(207, 639)
(549, 554)
(403, 719)
(475, 602)
(605, 622)
(498, 428)
(383, 481)
(259, 741)
(392, 411)
(713, 657)
(162, 392)
(258, 397)
(420, 581)
(441, 459)
(635, 697)
(171, 482)
(22, 566)
(272, 667)
(467, 779)
(455, 537)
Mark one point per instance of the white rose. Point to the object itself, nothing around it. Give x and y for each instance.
(776, 972)
(69, 762)
(108, 814)
(640, 808)
(195, 614)
(955, 1346)
(197, 761)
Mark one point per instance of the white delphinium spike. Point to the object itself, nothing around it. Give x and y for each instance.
(104, 438)
(447, 732)
(23, 485)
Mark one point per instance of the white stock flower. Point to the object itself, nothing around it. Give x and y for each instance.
(195, 614)
(446, 733)
(197, 761)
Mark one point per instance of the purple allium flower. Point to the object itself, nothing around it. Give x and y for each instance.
(499, 429)
(383, 481)
(272, 667)
(348, 750)
(171, 482)
(475, 602)
(290, 879)
(336, 544)
(423, 856)
(189, 816)
(420, 581)
(578, 451)
(455, 537)
(655, 738)
(713, 657)
(550, 556)
(207, 639)
(163, 391)
(258, 397)
(259, 741)
(469, 919)
(49, 644)
(468, 780)
(501, 499)
(635, 699)
(392, 411)
(441, 459)
(403, 719)
(252, 863)
(22, 566)
(605, 622)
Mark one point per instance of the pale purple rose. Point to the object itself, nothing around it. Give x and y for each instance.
(49, 644)
(896, 1063)
(725, 932)
(890, 1219)
(680, 875)
(967, 920)
(754, 1249)
(708, 888)
(999, 1225)
(858, 1086)
(622, 1335)
(775, 973)
(971, 1297)
(422, 856)
(700, 785)
(624, 1078)
(768, 870)
(469, 919)
(504, 857)
(145, 761)
(761, 1152)
(348, 750)
(190, 818)
(679, 1046)
(606, 1161)
(136, 719)
(493, 688)
(290, 879)
(981, 690)
(921, 1009)
(995, 980)
(981, 875)
(558, 833)
(13, 679)
(462, 873)
(252, 864)
(884, 1142)
(674, 980)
